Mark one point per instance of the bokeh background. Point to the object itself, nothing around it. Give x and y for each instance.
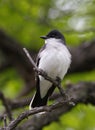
(27, 20)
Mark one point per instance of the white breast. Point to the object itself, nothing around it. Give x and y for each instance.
(55, 61)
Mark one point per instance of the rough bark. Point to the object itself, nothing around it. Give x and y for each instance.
(83, 92)
(80, 93)
(83, 57)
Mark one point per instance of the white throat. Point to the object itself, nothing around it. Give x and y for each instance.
(52, 41)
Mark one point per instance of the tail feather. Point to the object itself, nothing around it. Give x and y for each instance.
(37, 101)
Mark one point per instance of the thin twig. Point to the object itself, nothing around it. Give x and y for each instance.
(44, 74)
(7, 107)
(29, 57)
(5, 121)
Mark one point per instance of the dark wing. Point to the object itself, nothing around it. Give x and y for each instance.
(37, 100)
(37, 63)
(38, 57)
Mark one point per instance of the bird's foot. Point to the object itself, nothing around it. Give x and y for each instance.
(43, 72)
(62, 91)
(58, 79)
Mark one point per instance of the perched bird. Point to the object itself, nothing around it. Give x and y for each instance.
(54, 58)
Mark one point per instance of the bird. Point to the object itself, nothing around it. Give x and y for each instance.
(53, 58)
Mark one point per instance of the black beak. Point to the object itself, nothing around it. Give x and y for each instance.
(43, 37)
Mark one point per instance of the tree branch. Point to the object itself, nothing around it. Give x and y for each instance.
(84, 92)
(26, 114)
(83, 57)
(7, 107)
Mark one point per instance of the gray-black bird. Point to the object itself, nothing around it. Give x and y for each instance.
(54, 58)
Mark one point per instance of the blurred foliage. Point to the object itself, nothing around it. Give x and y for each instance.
(80, 118)
(26, 21)
(78, 77)
(10, 83)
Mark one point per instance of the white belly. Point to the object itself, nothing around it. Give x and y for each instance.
(55, 62)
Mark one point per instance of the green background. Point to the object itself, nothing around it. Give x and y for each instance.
(26, 21)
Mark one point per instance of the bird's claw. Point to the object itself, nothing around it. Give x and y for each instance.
(58, 80)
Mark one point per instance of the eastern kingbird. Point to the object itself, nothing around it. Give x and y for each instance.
(54, 58)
